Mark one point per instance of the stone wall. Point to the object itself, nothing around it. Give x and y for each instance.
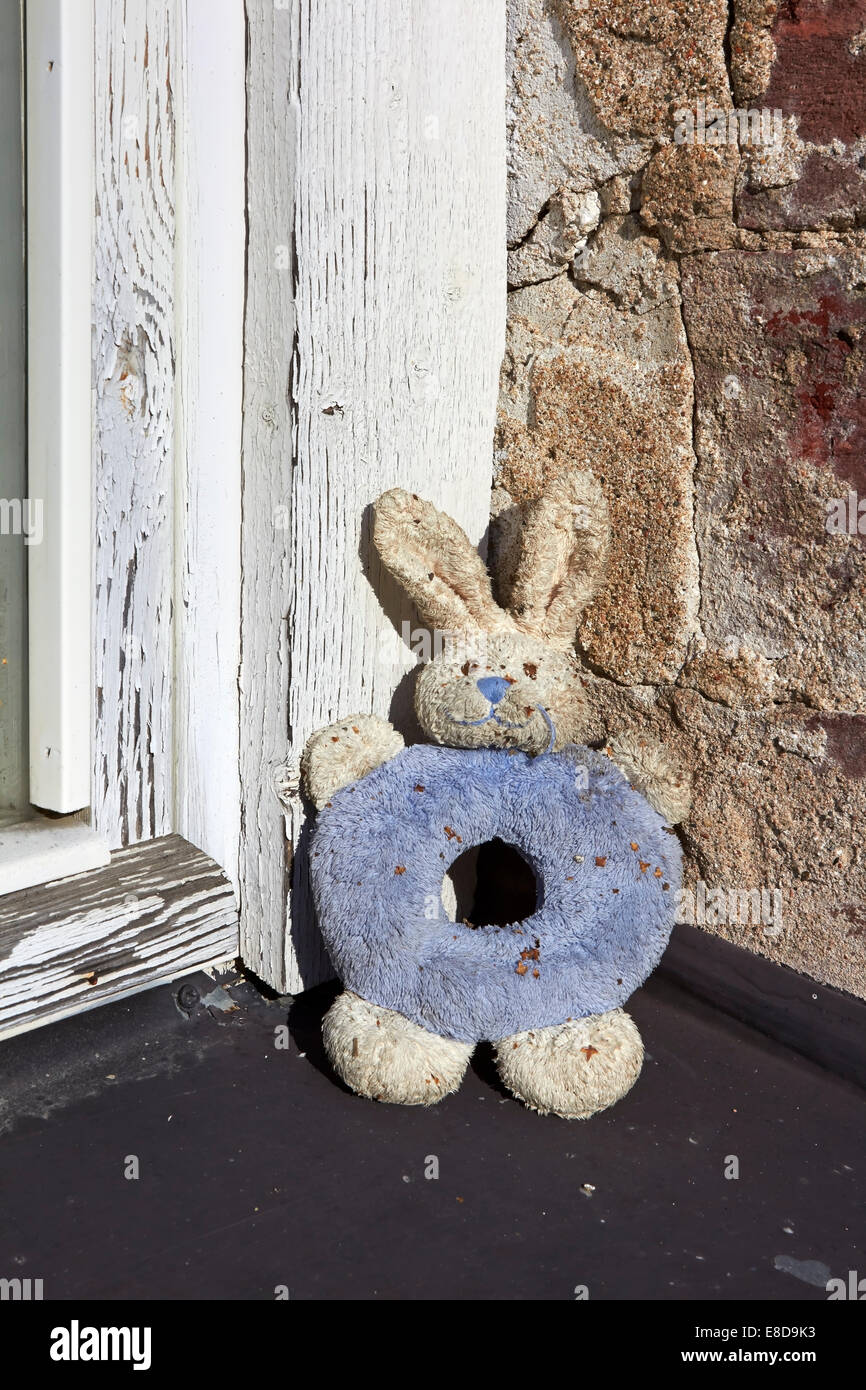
(687, 318)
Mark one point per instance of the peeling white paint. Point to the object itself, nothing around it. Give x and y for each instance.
(382, 371)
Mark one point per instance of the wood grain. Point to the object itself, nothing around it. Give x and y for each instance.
(134, 380)
(374, 336)
(210, 248)
(268, 454)
(157, 910)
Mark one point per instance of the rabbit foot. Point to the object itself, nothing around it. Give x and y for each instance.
(573, 1069)
(340, 754)
(383, 1056)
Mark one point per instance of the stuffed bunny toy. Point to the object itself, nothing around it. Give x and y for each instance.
(505, 710)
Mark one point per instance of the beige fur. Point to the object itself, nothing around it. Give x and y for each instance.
(447, 694)
(436, 564)
(381, 1055)
(340, 754)
(565, 543)
(564, 553)
(652, 771)
(574, 1069)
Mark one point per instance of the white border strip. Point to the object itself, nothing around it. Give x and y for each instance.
(59, 95)
(210, 248)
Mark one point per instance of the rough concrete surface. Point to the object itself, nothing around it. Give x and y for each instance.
(687, 318)
(261, 1177)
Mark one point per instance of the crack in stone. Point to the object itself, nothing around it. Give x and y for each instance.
(539, 218)
(698, 557)
(512, 287)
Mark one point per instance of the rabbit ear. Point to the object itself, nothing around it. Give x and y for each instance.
(437, 565)
(565, 540)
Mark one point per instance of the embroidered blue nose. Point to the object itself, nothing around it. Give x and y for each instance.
(493, 688)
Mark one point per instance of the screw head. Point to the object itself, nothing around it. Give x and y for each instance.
(187, 997)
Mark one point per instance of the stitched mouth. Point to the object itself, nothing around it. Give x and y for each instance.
(493, 717)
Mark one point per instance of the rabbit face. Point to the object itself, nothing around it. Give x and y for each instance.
(511, 679)
(514, 692)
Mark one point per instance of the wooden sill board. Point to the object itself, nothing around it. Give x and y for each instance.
(158, 910)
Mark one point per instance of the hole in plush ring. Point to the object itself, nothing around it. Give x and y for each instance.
(491, 884)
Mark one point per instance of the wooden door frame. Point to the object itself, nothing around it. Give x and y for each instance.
(168, 292)
(374, 336)
(299, 301)
(168, 314)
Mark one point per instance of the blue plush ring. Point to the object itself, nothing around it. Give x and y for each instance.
(607, 867)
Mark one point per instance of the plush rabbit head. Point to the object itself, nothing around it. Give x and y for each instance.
(502, 678)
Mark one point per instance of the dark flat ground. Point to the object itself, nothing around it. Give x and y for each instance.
(258, 1169)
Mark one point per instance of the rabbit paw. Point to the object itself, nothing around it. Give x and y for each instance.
(343, 752)
(573, 1069)
(653, 771)
(383, 1056)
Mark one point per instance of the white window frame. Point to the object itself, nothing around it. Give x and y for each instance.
(70, 46)
(157, 102)
(58, 94)
(59, 125)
